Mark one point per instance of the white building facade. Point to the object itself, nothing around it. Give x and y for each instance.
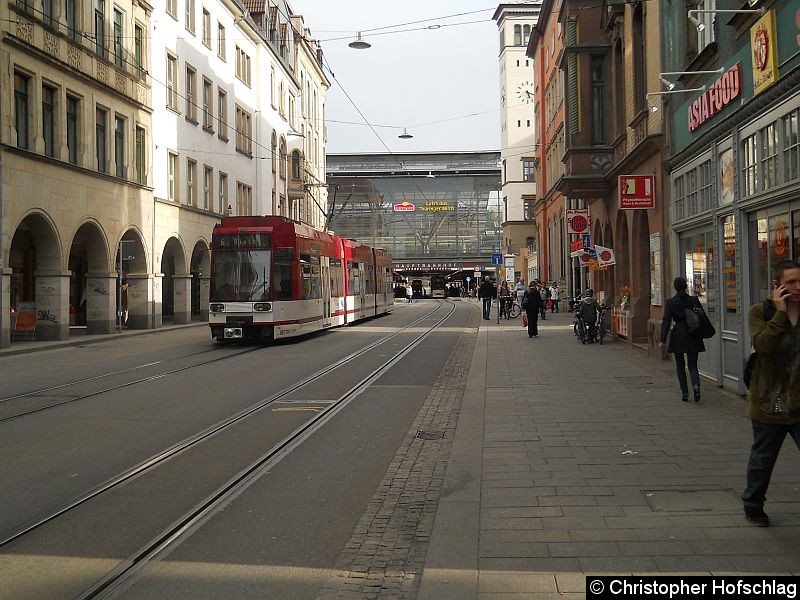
(518, 129)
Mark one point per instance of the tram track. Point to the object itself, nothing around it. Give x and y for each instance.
(153, 461)
(128, 571)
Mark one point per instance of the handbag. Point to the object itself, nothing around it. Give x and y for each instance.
(524, 319)
(525, 302)
(697, 322)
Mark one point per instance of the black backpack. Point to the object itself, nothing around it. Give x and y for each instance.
(750, 364)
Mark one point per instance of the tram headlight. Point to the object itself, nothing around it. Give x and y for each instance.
(262, 307)
(216, 307)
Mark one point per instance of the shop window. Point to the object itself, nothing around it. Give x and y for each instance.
(691, 193)
(679, 195)
(704, 184)
(760, 267)
(729, 274)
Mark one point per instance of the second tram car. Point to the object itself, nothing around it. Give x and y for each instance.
(438, 286)
(274, 278)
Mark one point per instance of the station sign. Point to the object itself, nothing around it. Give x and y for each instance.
(637, 191)
(437, 206)
(577, 220)
(404, 207)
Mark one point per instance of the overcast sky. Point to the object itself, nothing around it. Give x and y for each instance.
(410, 78)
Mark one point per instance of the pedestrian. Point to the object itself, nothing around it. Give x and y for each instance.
(504, 299)
(555, 296)
(545, 295)
(487, 292)
(519, 289)
(774, 407)
(532, 305)
(409, 294)
(123, 304)
(681, 341)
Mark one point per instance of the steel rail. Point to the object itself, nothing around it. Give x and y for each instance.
(128, 571)
(195, 439)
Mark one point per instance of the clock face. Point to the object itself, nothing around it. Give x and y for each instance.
(525, 92)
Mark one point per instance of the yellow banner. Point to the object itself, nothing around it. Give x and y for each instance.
(764, 52)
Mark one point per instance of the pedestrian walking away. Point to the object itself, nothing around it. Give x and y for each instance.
(532, 305)
(409, 294)
(544, 293)
(487, 292)
(519, 289)
(681, 342)
(774, 406)
(589, 307)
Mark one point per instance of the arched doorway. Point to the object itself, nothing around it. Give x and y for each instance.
(640, 276)
(91, 281)
(37, 281)
(201, 276)
(134, 300)
(175, 285)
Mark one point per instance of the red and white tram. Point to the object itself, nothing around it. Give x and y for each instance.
(273, 278)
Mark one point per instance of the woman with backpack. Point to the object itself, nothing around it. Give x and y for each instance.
(681, 341)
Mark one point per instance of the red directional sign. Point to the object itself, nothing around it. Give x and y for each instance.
(637, 191)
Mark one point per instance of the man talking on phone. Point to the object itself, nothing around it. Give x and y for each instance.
(774, 407)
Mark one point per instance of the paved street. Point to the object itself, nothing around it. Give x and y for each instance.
(563, 460)
(574, 459)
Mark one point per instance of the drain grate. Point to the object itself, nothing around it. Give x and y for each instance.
(429, 435)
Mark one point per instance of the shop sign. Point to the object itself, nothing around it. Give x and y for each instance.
(763, 43)
(576, 245)
(721, 93)
(434, 206)
(577, 220)
(404, 207)
(637, 191)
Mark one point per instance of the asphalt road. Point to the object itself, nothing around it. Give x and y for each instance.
(280, 537)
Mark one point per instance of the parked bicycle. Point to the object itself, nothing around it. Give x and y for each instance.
(579, 327)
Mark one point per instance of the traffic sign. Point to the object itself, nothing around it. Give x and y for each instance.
(587, 243)
(497, 258)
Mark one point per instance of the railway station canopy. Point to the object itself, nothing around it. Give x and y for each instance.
(433, 212)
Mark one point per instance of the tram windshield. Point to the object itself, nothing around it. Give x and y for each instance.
(240, 276)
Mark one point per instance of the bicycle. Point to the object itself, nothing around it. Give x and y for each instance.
(514, 309)
(579, 327)
(601, 324)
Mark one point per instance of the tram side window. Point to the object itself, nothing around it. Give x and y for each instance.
(337, 281)
(312, 282)
(283, 274)
(370, 276)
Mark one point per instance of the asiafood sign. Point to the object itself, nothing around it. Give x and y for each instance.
(719, 95)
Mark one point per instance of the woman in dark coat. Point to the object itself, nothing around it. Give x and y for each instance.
(681, 341)
(532, 301)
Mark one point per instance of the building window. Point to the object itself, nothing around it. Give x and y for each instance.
(190, 16)
(119, 32)
(281, 100)
(100, 27)
(138, 49)
(528, 209)
(704, 184)
(526, 34)
(244, 199)
(283, 159)
(101, 143)
(141, 172)
(49, 120)
(791, 143)
(221, 41)
(208, 187)
(598, 103)
(691, 192)
(172, 8)
(749, 166)
(223, 192)
(769, 156)
(272, 87)
(242, 65)
(244, 128)
(296, 165)
(222, 113)
(528, 169)
(48, 13)
(172, 82)
(207, 28)
(274, 153)
(639, 83)
(72, 129)
(172, 176)
(71, 17)
(191, 181)
(119, 146)
(518, 35)
(191, 94)
(705, 35)
(208, 104)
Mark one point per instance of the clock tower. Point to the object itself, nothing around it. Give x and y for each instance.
(515, 21)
